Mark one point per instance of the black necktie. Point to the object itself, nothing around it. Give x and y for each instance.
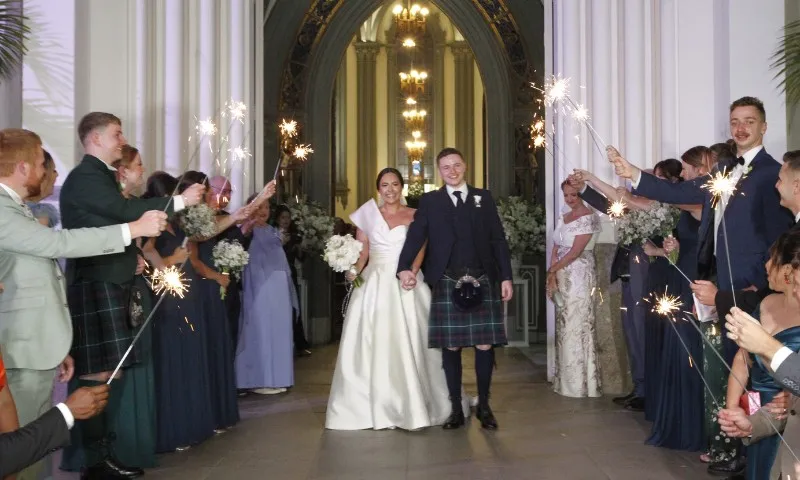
(459, 200)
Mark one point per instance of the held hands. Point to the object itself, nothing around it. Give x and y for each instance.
(86, 402)
(622, 167)
(151, 224)
(407, 279)
(194, 194)
(705, 292)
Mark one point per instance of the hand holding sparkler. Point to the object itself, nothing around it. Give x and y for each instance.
(748, 333)
(150, 224)
(576, 180)
(735, 422)
(622, 167)
(705, 291)
(193, 194)
(265, 194)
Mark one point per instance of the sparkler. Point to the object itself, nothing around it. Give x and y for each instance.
(722, 186)
(666, 304)
(288, 129)
(301, 152)
(616, 209)
(169, 280)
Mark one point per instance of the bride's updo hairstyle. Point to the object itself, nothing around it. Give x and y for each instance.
(386, 171)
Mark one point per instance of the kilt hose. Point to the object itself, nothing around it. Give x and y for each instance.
(101, 332)
(450, 328)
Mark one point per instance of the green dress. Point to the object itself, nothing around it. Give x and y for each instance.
(133, 408)
(721, 448)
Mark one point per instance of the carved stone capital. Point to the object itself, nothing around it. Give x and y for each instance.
(461, 51)
(367, 51)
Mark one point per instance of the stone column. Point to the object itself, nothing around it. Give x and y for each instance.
(392, 96)
(464, 75)
(367, 53)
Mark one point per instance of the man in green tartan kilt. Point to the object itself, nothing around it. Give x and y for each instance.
(468, 266)
(99, 288)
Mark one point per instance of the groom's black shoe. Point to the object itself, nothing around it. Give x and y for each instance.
(455, 420)
(485, 415)
(110, 468)
(621, 401)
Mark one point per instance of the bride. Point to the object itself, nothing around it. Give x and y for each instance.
(386, 376)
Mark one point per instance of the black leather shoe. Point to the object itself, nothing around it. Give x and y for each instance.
(110, 468)
(455, 420)
(728, 468)
(621, 401)
(635, 404)
(485, 415)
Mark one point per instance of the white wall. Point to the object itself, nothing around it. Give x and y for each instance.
(158, 65)
(657, 77)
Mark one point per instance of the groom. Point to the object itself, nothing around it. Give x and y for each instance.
(465, 241)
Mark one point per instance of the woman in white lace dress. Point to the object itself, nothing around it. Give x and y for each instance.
(571, 281)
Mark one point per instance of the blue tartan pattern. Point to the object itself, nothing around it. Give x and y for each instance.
(101, 333)
(449, 327)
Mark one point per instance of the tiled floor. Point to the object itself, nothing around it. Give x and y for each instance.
(541, 436)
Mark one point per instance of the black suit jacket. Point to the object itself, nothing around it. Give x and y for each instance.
(433, 222)
(746, 300)
(32, 442)
(620, 267)
(91, 197)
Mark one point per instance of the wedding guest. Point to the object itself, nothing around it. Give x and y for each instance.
(183, 395)
(571, 282)
(779, 314)
(45, 213)
(265, 360)
(292, 247)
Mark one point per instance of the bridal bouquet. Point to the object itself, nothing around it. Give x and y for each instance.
(637, 226)
(313, 222)
(230, 257)
(523, 222)
(341, 253)
(199, 221)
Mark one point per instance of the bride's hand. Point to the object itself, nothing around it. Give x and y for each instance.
(551, 285)
(350, 276)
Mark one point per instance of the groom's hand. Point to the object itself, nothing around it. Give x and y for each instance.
(407, 279)
(507, 290)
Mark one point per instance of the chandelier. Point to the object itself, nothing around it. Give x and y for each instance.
(410, 21)
(416, 148)
(415, 119)
(413, 82)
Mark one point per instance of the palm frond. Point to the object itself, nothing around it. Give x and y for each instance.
(13, 35)
(786, 60)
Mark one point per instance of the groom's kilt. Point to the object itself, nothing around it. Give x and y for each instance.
(101, 332)
(449, 327)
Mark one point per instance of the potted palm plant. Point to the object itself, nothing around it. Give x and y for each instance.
(786, 60)
(13, 34)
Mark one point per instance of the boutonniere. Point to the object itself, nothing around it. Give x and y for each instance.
(477, 200)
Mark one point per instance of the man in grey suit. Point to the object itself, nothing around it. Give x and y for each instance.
(35, 324)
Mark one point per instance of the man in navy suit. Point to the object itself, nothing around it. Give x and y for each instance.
(753, 216)
(465, 241)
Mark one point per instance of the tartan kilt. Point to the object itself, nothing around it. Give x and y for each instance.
(449, 327)
(101, 332)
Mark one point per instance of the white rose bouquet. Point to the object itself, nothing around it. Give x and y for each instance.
(524, 224)
(199, 221)
(341, 253)
(314, 224)
(638, 226)
(231, 258)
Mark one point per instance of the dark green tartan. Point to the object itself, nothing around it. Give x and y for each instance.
(448, 327)
(101, 333)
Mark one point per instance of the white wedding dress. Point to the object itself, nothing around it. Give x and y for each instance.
(386, 376)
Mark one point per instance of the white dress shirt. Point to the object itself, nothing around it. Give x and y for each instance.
(126, 230)
(461, 188)
(68, 417)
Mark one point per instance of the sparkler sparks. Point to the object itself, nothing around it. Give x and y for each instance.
(666, 304)
(206, 127)
(581, 114)
(721, 184)
(301, 152)
(616, 209)
(538, 141)
(170, 280)
(288, 129)
(556, 90)
(239, 153)
(237, 110)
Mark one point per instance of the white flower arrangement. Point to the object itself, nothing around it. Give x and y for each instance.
(231, 258)
(341, 254)
(314, 224)
(523, 222)
(637, 226)
(199, 221)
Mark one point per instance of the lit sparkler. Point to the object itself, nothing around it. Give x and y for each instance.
(288, 129)
(301, 152)
(616, 209)
(720, 185)
(580, 114)
(170, 280)
(239, 153)
(556, 90)
(206, 127)
(237, 110)
(538, 141)
(666, 304)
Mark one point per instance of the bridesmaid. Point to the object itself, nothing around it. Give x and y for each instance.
(265, 360)
(678, 421)
(183, 397)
